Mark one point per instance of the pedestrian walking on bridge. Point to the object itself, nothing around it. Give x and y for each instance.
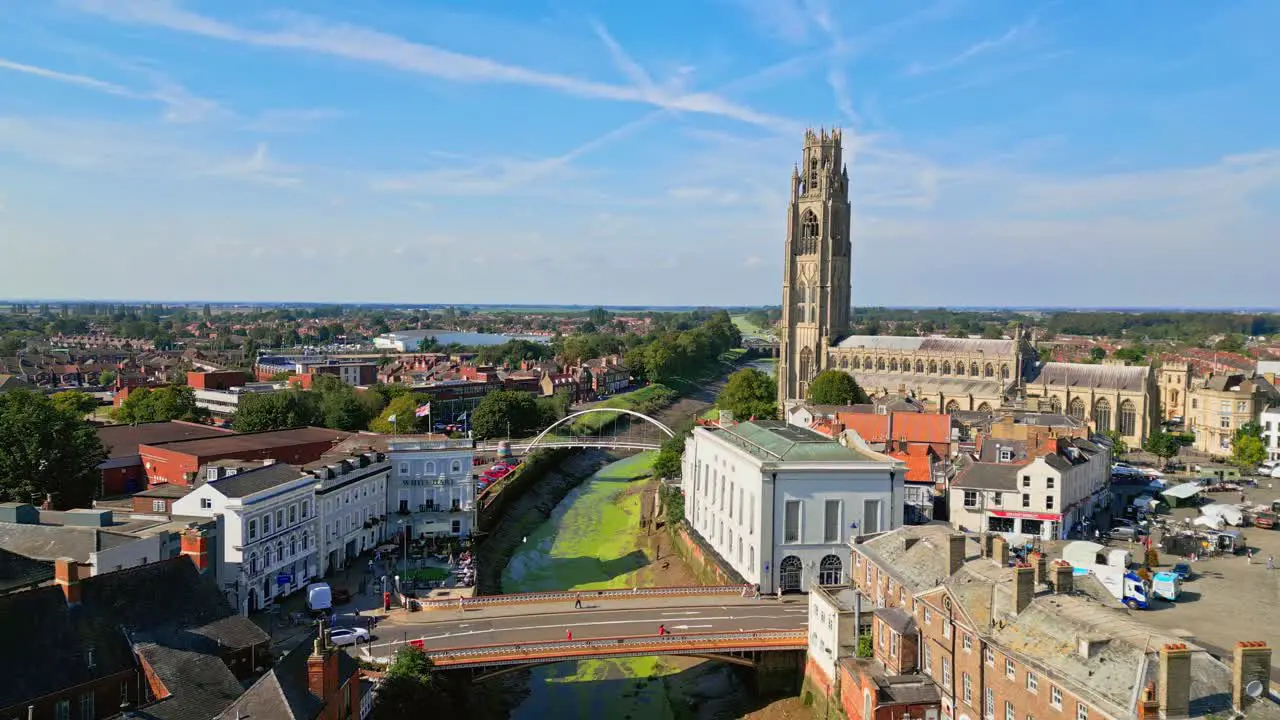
(577, 601)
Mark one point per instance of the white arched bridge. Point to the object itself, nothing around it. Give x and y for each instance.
(600, 427)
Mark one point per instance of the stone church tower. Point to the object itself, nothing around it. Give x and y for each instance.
(815, 277)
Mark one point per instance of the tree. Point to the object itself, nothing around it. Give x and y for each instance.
(505, 413)
(833, 387)
(404, 409)
(75, 402)
(1163, 445)
(46, 452)
(1118, 445)
(410, 685)
(1096, 354)
(106, 378)
(173, 402)
(667, 464)
(749, 393)
(428, 344)
(277, 411)
(1247, 451)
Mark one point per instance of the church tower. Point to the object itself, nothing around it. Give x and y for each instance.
(815, 277)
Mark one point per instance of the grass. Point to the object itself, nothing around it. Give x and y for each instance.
(647, 400)
(427, 574)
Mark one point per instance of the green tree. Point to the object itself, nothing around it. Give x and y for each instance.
(505, 413)
(834, 387)
(992, 332)
(277, 411)
(173, 402)
(75, 402)
(667, 464)
(403, 408)
(1118, 445)
(428, 344)
(1247, 451)
(1163, 445)
(46, 452)
(106, 378)
(411, 685)
(1096, 354)
(749, 393)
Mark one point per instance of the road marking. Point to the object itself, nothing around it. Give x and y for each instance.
(693, 612)
(691, 627)
(805, 611)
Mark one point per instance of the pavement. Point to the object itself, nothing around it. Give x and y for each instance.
(542, 622)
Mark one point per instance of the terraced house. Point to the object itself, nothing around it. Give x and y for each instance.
(1031, 642)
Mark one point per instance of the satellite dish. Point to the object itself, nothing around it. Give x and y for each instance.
(1253, 689)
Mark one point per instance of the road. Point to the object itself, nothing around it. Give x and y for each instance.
(442, 629)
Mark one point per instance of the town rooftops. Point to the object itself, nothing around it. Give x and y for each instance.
(50, 542)
(1084, 375)
(250, 482)
(123, 440)
(283, 693)
(1002, 348)
(988, 476)
(19, 571)
(247, 442)
(198, 683)
(915, 555)
(777, 441)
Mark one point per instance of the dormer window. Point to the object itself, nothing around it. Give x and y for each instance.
(1006, 455)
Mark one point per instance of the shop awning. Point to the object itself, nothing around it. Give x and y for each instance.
(1182, 492)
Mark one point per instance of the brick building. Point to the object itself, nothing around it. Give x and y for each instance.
(178, 462)
(1030, 642)
(122, 471)
(216, 379)
(92, 647)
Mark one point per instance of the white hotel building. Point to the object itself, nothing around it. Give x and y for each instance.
(267, 530)
(430, 488)
(779, 503)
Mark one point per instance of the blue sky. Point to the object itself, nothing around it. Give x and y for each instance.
(571, 151)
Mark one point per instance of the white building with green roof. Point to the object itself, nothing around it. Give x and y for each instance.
(779, 503)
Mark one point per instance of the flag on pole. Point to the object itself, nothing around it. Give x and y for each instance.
(391, 419)
(423, 410)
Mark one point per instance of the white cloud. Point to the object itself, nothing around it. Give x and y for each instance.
(257, 168)
(982, 47)
(181, 106)
(289, 120)
(313, 35)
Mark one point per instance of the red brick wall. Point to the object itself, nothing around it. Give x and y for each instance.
(106, 699)
(144, 505)
(818, 677)
(216, 380)
(701, 563)
(117, 480)
(171, 466)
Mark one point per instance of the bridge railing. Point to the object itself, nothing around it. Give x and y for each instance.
(686, 643)
(571, 595)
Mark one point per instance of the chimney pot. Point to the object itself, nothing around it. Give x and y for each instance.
(1063, 577)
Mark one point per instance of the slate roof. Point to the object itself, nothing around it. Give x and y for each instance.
(248, 482)
(57, 640)
(245, 442)
(1002, 348)
(50, 542)
(988, 476)
(921, 566)
(18, 571)
(1084, 375)
(777, 441)
(200, 684)
(930, 383)
(282, 693)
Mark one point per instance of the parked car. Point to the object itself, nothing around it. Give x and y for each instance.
(348, 636)
(1183, 571)
(341, 596)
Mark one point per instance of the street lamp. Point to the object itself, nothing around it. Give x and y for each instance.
(404, 531)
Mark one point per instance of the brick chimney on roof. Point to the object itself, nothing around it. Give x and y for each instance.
(1251, 662)
(67, 574)
(1174, 683)
(322, 667)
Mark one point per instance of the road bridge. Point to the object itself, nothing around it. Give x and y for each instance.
(569, 432)
(491, 635)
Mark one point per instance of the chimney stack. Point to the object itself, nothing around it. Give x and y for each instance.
(66, 574)
(1148, 705)
(984, 544)
(1175, 680)
(1024, 588)
(955, 553)
(322, 667)
(195, 545)
(1063, 577)
(1251, 662)
(1000, 551)
(1040, 563)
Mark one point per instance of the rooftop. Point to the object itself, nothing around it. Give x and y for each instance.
(282, 693)
(50, 542)
(249, 482)
(777, 441)
(1002, 348)
(247, 442)
(19, 571)
(123, 440)
(1084, 375)
(922, 565)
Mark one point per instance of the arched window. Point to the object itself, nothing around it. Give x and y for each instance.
(293, 545)
(253, 563)
(880, 363)
(1055, 405)
(973, 369)
(1127, 422)
(430, 467)
(953, 406)
(1004, 371)
(844, 363)
(989, 370)
(751, 555)
(789, 572)
(1102, 415)
(946, 367)
(455, 466)
(933, 367)
(893, 365)
(806, 364)
(920, 366)
(266, 557)
(829, 570)
(1075, 408)
(866, 363)
(809, 231)
(984, 407)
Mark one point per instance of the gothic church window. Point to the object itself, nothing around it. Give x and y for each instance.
(919, 366)
(1102, 415)
(933, 367)
(879, 363)
(866, 363)
(1004, 371)
(989, 370)
(1075, 408)
(1128, 419)
(809, 230)
(806, 365)
(973, 369)
(946, 367)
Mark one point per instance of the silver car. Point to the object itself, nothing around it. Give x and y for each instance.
(348, 636)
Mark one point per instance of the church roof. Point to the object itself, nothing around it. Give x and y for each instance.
(1099, 377)
(927, 384)
(928, 344)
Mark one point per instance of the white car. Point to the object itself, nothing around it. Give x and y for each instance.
(348, 636)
